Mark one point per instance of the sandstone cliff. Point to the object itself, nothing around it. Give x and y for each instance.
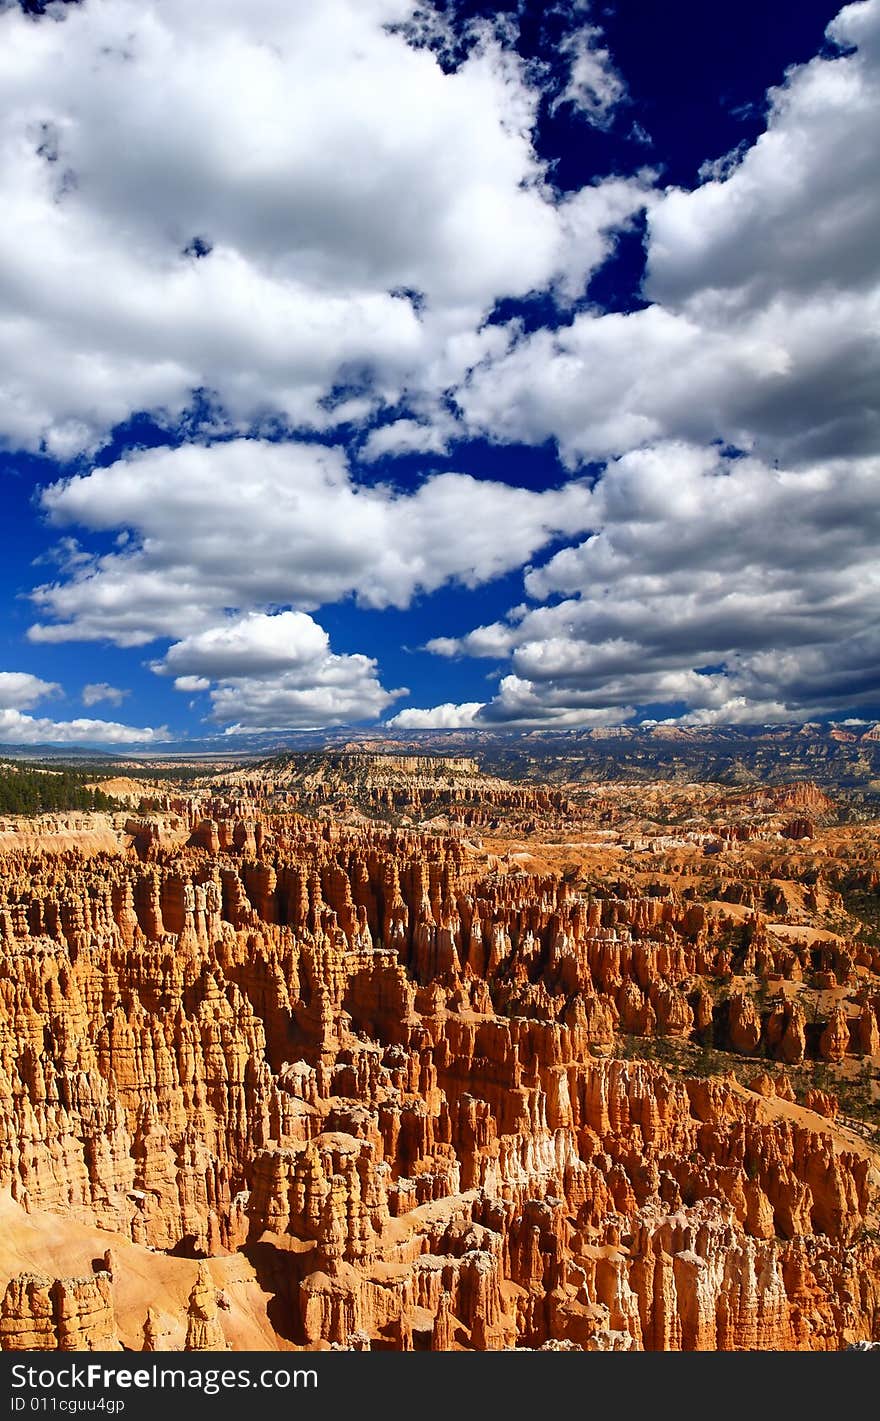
(388, 1078)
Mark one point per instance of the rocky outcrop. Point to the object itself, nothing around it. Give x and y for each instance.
(203, 1330)
(391, 1073)
(58, 1315)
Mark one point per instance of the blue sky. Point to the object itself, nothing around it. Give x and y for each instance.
(452, 365)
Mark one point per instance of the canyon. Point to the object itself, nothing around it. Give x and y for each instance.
(371, 1051)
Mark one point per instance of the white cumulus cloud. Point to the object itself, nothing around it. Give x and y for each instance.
(267, 201)
(593, 86)
(739, 590)
(249, 523)
(20, 690)
(272, 671)
(19, 729)
(765, 284)
(446, 717)
(311, 213)
(97, 691)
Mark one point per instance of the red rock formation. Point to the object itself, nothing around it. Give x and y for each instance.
(392, 1077)
(834, 1041)
(58, 1315)
(203, 1330)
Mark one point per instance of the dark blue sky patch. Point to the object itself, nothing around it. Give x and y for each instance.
(198, 247)
(697, 73)
(617, 285)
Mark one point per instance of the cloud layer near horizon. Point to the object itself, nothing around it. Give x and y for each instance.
(20, 691)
